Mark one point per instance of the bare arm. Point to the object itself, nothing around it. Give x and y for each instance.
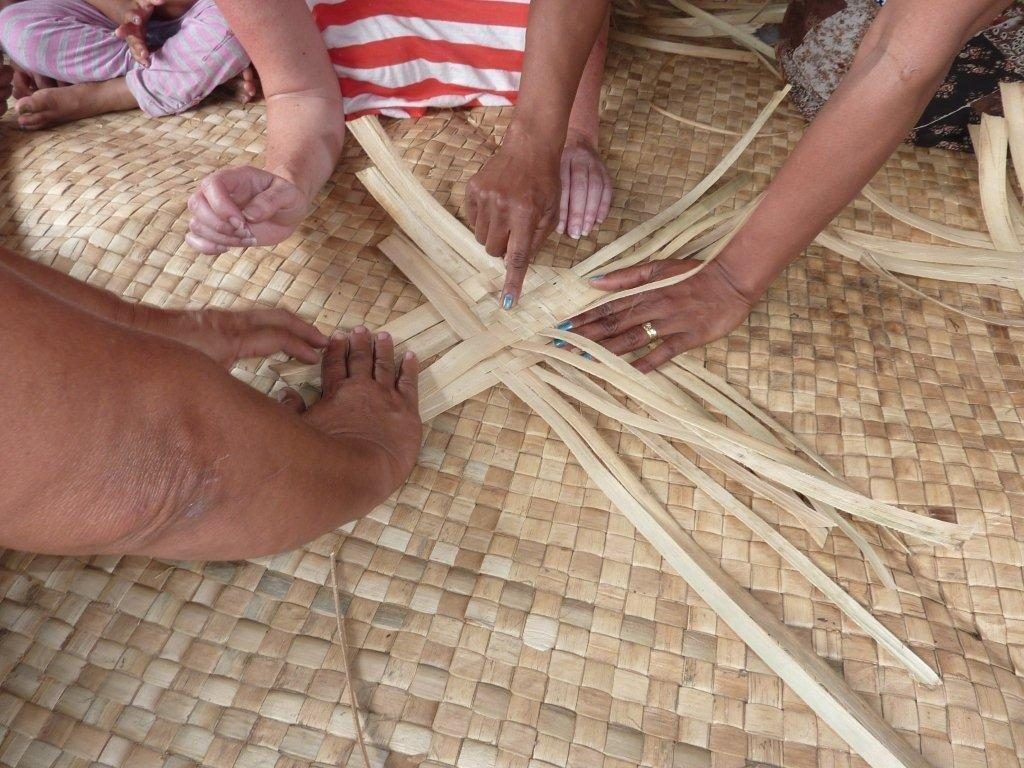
(117, 441)
(513, 203)
(583, 117)
(223, 336)
(244, 206)
(900, 64)
(305, 121)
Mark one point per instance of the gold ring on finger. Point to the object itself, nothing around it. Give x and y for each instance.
(651, 331)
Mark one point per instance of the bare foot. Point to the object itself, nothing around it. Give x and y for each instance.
(48, 107)
(245, 87)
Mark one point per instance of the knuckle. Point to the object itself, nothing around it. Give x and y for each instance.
(636, 337)
(518, 259)
(609, 324)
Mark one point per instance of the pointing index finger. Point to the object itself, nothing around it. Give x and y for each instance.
(517, 258)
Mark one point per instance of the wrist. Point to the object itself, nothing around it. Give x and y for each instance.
(533, 142)
(581, 136)
(748, 277)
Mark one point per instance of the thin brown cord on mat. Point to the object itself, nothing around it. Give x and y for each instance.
(344, 660)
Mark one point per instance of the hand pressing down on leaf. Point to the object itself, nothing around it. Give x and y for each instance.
(705, 307)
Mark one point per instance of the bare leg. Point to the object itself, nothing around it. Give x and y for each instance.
(52, 106)
(586, 185)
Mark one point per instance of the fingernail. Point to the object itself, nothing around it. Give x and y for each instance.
(559, 343)
(282, 395)
(506, 302)
(249, 241)
(575, 235)
(566, 326)
(587, 356)
(560, 229)
(360, 329)
(236, 222)
(595, 278)
(383, 336)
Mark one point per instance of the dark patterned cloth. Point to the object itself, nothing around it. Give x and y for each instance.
(819, 38)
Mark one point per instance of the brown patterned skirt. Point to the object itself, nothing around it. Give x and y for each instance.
(818, 40)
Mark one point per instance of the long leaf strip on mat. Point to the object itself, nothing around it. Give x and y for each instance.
(480, 345)
(995, 257)
(824, 691)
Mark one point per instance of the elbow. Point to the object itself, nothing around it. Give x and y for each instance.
(168, 492)
(905, 56)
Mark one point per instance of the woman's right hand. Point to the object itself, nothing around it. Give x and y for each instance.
(241, 207)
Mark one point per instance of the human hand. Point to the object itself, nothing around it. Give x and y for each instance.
(586, 187)
(243, 206)
(131, 17)
(686, 315)
(512, 205)
(227, 337)
(367, 397)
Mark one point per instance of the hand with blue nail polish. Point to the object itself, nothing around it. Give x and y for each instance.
(671, 320)
(512, 205)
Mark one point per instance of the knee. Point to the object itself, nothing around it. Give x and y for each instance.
(22, 27)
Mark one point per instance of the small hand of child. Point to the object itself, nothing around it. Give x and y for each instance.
(241, 207)
(132, 28)
(586, 188)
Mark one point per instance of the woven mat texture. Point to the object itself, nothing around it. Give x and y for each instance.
(501, 612)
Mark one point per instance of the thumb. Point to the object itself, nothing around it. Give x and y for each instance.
(265, 205)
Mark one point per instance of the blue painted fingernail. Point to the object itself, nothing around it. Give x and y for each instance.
(587, 356)
(566, 326)
(507, 301)
(596, 277)
(559, 343)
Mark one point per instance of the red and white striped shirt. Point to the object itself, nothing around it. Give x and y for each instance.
(401, 57)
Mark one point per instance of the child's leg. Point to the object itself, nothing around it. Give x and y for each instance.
(202, 55)
(66, 40)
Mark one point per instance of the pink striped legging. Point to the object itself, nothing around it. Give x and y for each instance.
(71, 41)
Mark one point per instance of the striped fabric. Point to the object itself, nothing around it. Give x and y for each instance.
(72, 42)
(401, 57)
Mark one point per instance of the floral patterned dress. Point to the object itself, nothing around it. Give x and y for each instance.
(819, 38)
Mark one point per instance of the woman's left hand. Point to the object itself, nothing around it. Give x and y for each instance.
(229, 336)
(686, 315)
(586, 187)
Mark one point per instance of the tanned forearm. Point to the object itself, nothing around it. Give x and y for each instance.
(94, 300)
(560, 39)
(901, 62)
(117, 441)
(305, 118)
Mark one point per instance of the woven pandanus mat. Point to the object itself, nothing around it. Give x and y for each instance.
(500, 612)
